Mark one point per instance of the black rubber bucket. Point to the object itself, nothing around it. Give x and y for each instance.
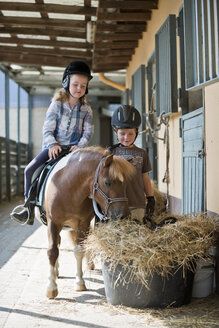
(173, 290)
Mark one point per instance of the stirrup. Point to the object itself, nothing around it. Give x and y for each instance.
(19, 209)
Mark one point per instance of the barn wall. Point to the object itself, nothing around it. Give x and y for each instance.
(211, 96)
(147, 44)
(142, 54)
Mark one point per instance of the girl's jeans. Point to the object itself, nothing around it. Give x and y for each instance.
(31, 167)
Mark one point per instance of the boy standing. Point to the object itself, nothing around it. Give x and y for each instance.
(125, 122)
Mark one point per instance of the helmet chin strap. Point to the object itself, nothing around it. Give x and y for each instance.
(71, 94)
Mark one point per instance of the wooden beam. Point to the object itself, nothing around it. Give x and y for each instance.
(112, 67)
(126, 27)
(42, 31)
(39, 22)
(45, 52)
(49, 8)
(117, 36)
(36, 60)
(38, 42)
(124, 17)
(42, 13)
(128, 4)
(112, 53)
(111, 60)
(116, 45)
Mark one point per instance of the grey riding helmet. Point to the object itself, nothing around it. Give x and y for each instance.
(126, 117)
(75, 67)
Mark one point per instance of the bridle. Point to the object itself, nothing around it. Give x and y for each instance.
(103, 216)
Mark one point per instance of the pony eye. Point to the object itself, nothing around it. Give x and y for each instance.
(108, 183)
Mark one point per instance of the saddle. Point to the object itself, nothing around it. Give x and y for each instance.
(39, 179)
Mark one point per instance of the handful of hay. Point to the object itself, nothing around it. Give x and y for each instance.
(142, 251)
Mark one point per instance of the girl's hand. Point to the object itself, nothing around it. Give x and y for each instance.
(73, 148)
(54, 151)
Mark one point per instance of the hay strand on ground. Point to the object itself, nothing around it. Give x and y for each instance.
(199, 313)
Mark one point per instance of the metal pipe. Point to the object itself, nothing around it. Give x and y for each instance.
(111, 83)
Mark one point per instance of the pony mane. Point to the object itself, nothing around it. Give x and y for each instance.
(121, 169)
(96, 149)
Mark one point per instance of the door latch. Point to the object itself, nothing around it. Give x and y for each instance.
(200, 153)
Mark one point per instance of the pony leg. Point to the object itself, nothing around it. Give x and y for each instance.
(89, 261)
(53, 253)
(79, 281)
(57, 268)
(57, 261)
(52, 289)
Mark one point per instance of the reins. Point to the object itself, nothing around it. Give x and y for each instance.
(103, 216)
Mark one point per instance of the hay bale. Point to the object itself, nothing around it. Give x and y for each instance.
(142, 252)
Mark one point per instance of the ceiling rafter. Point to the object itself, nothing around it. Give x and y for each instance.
(38, 34)
(116, 45)
(124, 17)
(48, 8)
(39, 22)
(43, 51)
(122, 27)
(120, 52)
(120, 4)
(40, 42)
(37, 60)
(44, 31)
(117, 36)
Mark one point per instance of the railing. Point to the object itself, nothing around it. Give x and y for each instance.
(13, 160)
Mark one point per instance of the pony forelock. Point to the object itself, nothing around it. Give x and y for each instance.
(121, 169)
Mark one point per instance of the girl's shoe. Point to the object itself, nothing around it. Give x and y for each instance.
(24, 217)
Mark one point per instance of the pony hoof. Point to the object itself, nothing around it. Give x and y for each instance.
(52, 293)
(80, 287)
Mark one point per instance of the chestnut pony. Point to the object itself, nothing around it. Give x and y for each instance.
(83, 183)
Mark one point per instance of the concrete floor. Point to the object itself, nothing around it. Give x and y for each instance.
(23, 280)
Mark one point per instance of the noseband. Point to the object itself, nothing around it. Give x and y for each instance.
(103, 216)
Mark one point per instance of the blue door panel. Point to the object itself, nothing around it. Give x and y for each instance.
(193, 162)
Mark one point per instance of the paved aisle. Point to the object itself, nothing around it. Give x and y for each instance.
(23, 280)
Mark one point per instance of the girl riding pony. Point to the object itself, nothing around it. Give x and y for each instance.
(68, 122)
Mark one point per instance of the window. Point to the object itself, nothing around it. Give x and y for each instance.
(166, 67)
(201, 33)
(139, 99)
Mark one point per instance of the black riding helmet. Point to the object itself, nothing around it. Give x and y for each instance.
(126, 117)
(75, 67)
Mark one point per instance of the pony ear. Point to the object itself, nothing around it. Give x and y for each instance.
(108, 160)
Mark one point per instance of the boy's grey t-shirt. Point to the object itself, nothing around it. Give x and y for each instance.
(139, 158)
